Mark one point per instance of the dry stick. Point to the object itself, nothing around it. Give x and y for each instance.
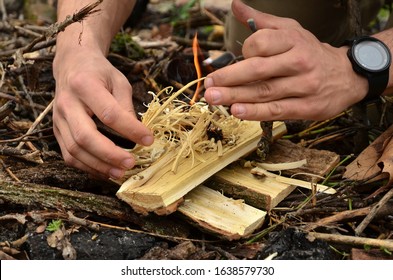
(353, 240)
(3, 10)
(53, 30)
(373, 212)
(344, 215)
(27, 95)
(37, 122)
(10, 173)
(32, 156)
(56, 28)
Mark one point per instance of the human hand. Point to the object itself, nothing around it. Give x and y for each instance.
(287, 73)
(86, 85)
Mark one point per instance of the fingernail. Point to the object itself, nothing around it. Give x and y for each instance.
(115, 173)
(127, 163)
(147, 140)
(215, 96)
(209, 82)
(238, 110)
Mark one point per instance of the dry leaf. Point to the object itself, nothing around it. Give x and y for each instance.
(20, 218)
(60, 240)
(385, 162)
(365, 166)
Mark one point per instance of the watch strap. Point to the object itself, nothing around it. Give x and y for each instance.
(377, 84)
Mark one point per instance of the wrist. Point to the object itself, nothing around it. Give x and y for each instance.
(357, 85)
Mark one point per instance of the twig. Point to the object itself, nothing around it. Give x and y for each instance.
(6, 109)
(10, 173)
(37, 122)
(27, 95)
(352, 240)
(53, 30)
(3, 10)
(344, 215)
(24, 154)
(57, 27)
(362, 226)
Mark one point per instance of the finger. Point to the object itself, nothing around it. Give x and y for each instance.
(72, 161)
(269, 42)
(84, 142)
(243, 12)
(284, 109)
(108, 110)
(252, 70)
(122, 91)
(262, 91)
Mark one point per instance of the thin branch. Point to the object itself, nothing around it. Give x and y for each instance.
(374, 211)
(37, 121)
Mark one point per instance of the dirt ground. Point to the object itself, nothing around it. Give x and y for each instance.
(51, 211)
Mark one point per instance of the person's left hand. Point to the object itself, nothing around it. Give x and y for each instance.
(287, 73)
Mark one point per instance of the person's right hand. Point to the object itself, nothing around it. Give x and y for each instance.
(86, 85)
(287, 73)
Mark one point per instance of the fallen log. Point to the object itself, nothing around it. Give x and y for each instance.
(39, 196)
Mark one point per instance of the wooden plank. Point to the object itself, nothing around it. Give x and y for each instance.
(164, 190)
(213, 212)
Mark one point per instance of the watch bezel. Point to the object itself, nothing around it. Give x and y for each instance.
(360, 40)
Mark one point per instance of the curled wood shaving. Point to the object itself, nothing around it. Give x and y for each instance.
(178, 125)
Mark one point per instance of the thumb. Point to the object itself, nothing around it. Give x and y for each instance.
(244, 12)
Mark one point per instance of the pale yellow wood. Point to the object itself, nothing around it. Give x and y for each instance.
(264, 193)
(165, 188)
(230, 219)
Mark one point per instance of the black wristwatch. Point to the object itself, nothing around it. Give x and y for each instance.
(371, 58)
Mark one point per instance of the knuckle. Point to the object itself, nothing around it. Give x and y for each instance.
(77, 80)
(292, 22)
(80, 140)
(263, 91)
(73, 148)
(109, 115)
(301, 63)
(275, 110)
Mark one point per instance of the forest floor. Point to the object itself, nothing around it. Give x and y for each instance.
(45, 209)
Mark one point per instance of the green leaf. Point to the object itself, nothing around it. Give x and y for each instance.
(54, 225)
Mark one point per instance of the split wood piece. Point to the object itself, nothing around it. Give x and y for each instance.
(265, 192)
(238, 182)
(213, 212)
(165, 190)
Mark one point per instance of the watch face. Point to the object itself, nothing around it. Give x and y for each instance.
(371, 55)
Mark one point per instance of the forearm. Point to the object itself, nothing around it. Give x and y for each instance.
(387, 37)
(97, 30)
